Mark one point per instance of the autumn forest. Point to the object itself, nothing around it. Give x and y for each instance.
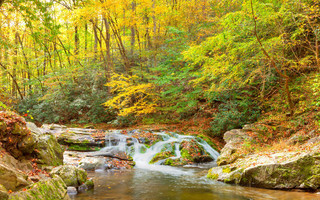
(229, 62)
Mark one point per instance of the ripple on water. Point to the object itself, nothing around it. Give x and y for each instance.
(188, 184)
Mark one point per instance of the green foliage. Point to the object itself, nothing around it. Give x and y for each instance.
(3, 106)
(74, 102)
(234, 113)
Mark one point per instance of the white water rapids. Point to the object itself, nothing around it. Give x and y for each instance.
(142, 154)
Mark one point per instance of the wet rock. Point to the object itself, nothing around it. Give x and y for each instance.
(92, 163)
(53, 188)
(234, 140)
(277, 171)
(72, 190)
(71, 175)
(161, 156)
(88, 185)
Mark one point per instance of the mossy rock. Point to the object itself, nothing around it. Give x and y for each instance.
(300, 172)
(48, 151)
(82, 148)
(161, 156)
(71, 175)
(53, 188)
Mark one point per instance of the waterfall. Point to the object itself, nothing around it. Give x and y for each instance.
(143, 149)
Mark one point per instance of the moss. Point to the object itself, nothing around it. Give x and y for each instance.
(185, 154)
(226, 170)
(82, 148)
(143, 149)
(168, 162)
(213, 176)
(161, 156)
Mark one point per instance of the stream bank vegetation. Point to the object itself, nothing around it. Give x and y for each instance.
(200, 66)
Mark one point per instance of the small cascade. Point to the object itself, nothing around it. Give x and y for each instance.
(159, 148)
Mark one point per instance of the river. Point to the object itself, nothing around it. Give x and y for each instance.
(161, 182)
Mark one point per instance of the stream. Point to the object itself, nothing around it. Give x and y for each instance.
(161, 182)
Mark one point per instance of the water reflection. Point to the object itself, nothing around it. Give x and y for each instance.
(142, 184)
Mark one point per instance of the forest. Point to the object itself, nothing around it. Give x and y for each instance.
(159, 99)
(219, 63)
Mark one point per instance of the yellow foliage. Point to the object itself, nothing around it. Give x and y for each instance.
(131, 97)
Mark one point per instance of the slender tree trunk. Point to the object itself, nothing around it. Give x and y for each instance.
(86, 37)
(76, 40)
(108, 48)
(95, 47)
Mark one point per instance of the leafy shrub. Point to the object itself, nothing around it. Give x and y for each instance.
(234, 114)
(76, 102)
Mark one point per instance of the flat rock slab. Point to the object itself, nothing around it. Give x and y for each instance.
(78, 139)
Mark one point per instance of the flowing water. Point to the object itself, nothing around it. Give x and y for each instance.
(160, 182)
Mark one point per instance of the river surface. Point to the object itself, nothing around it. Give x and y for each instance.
(160, 182)
(175, 184)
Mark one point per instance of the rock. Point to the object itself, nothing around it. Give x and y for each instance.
(80, 139)
(88, 185)
(161, 156)
(48, 150)
(34, 129)
(72, 191)
(276, 171)
(234, 140)
(191, 152)
(53, 126)
(313, 140)
(71, 175)
(53, 188)
(298, 138)
(89, 127)
(4, 195)
(92, 163)
(27, 144)
(11, 178)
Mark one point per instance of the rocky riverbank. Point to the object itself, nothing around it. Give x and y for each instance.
(295, 166)
(31, 163)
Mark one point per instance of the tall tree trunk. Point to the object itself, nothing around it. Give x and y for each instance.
(108, 48)
(86, 37)
(76, 40)
(95, 46)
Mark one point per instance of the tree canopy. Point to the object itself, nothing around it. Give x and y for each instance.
(142, 60)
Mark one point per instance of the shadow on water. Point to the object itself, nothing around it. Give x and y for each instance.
(144, 184)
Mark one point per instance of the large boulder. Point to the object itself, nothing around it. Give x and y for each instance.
(191, 152)
(53, 188)
(13, 130)
(92, 163)
(276, 171)
(71, 175)
(4, 195)
(11, 175)
(12, 178)
(234, 140)
(77, 139)
(48, 151)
